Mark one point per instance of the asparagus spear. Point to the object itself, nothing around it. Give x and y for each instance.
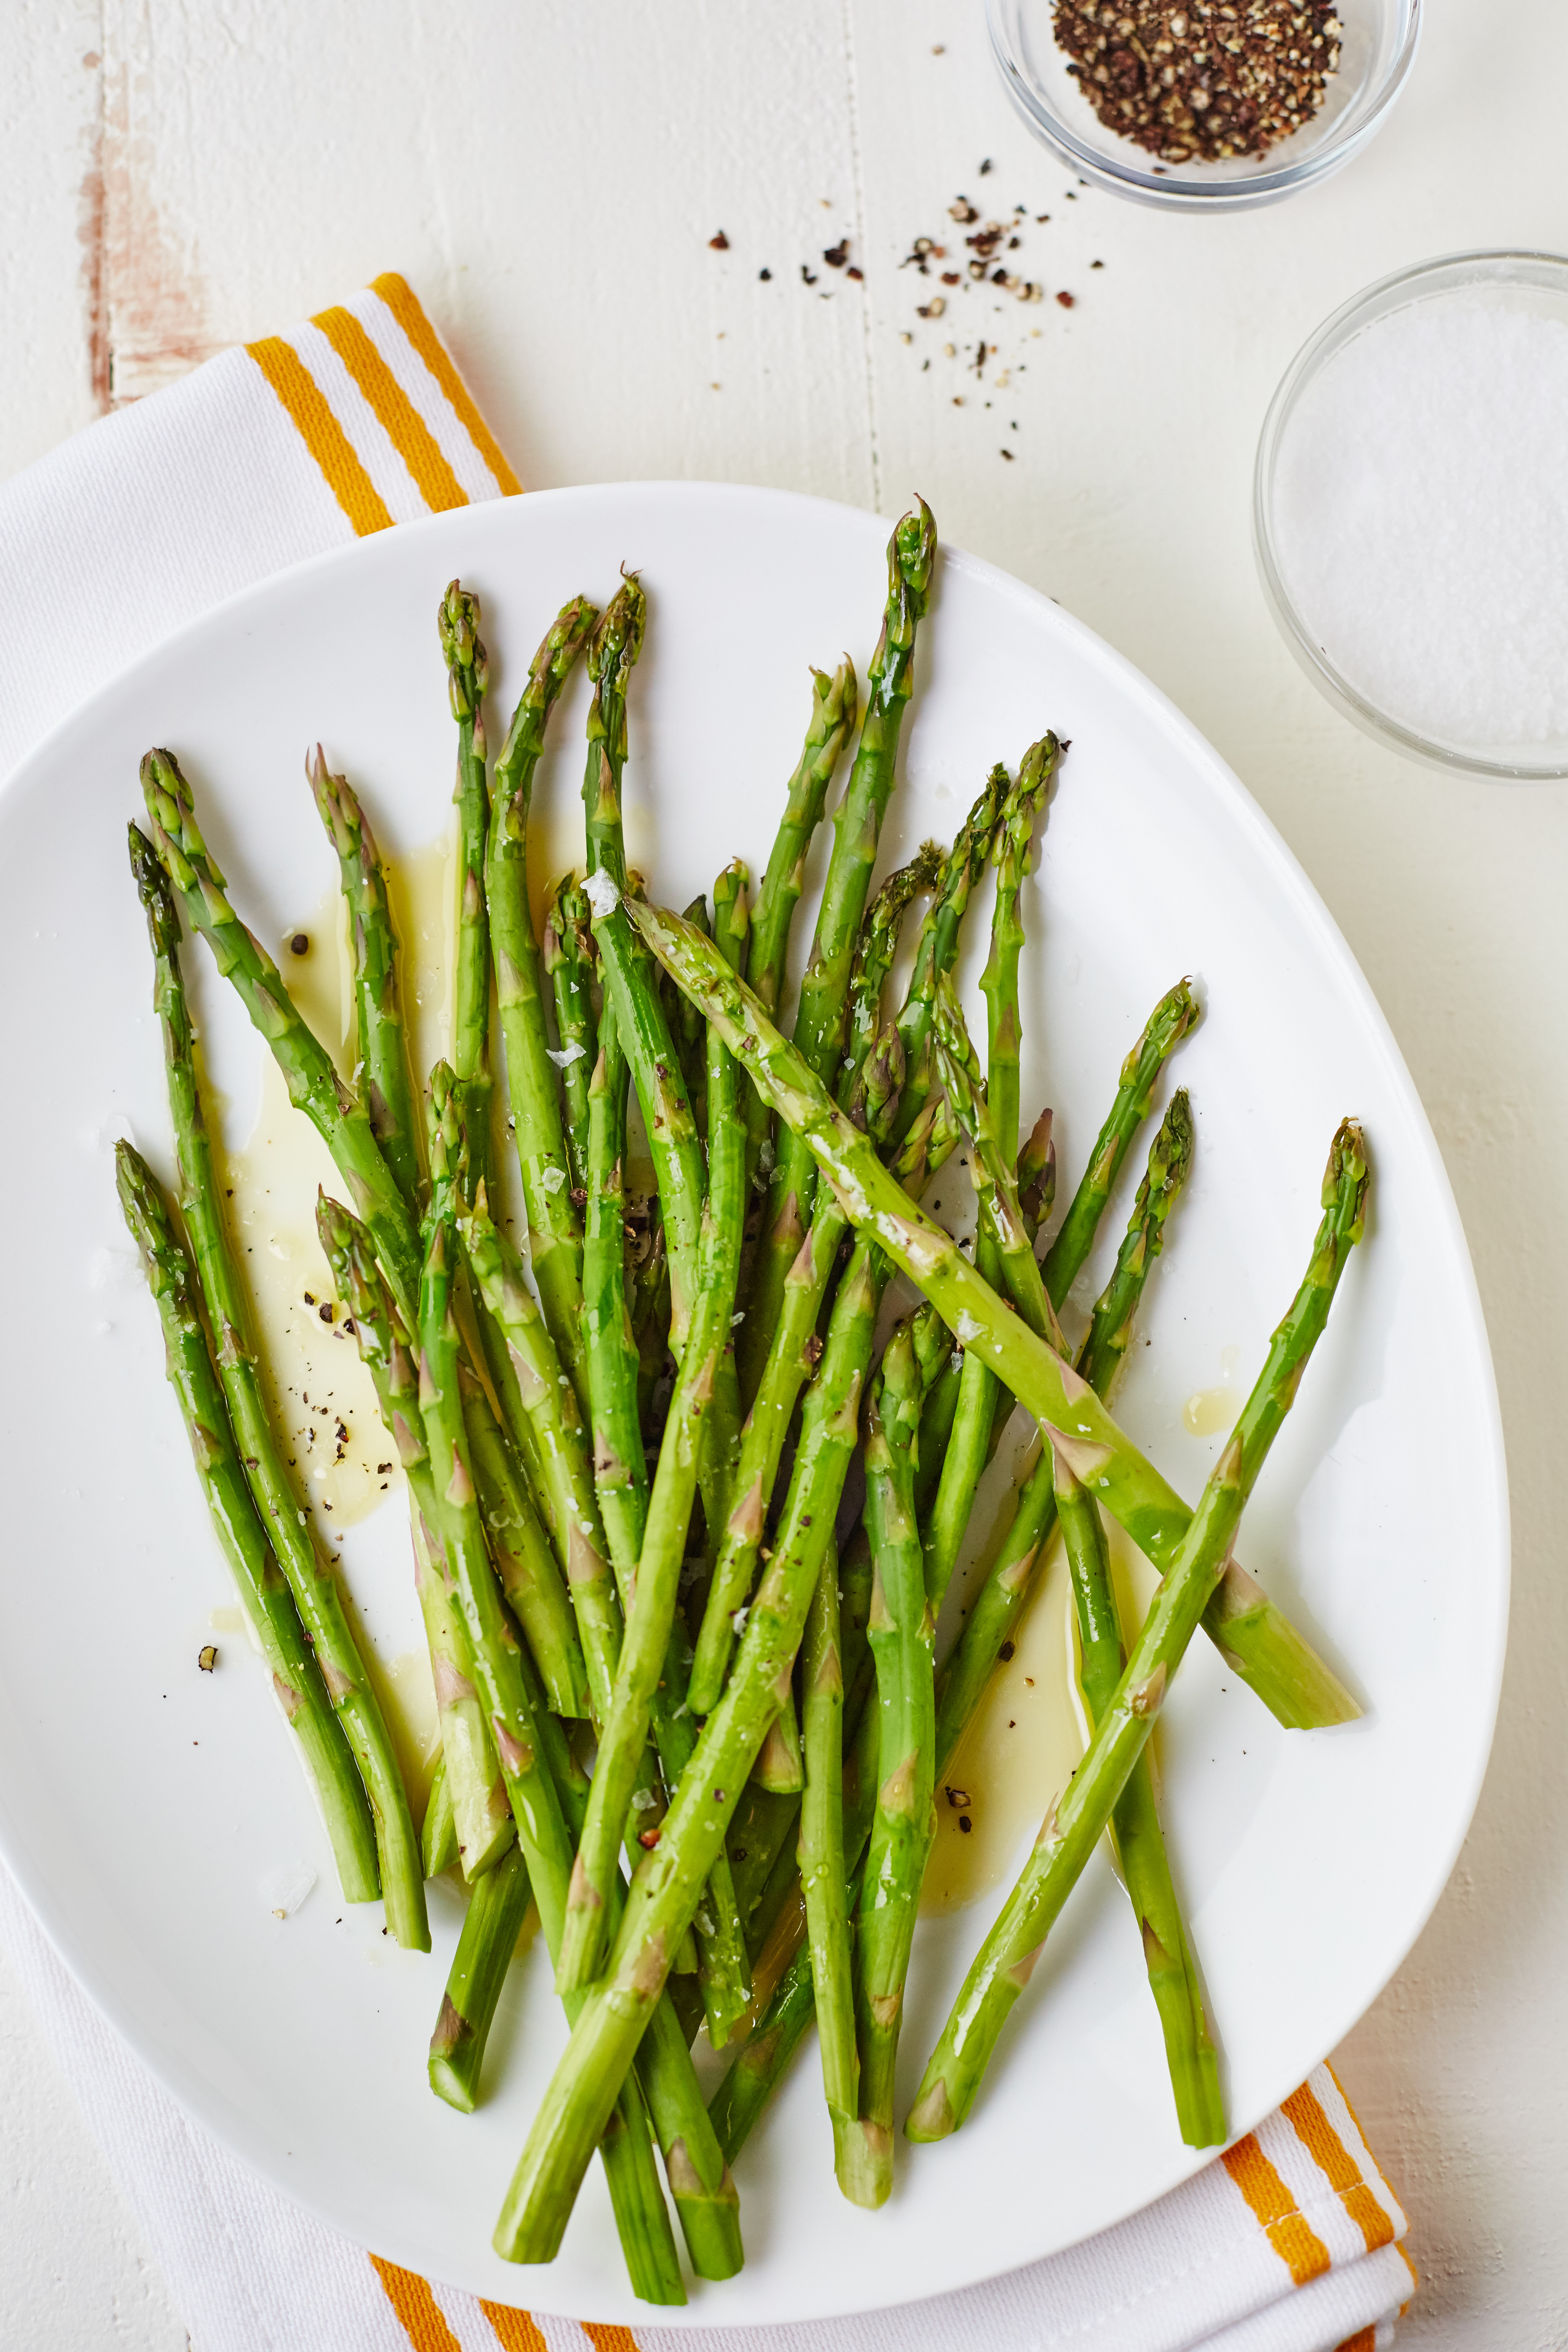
(382, 1040)
(901, 1629)
(522, 1556)
(1135, 1827)
(822, 1870)
(928, 1146)
(263, 1589)
(1109, 1332)
(936, 950)
(497, 1908)
(628, 971)
(1001, 1219)
(1037, 1175)
(476, 1800)
(937, 1358)
(526, 1563)
(1037, 1185)
(620, 1485)
(620, 1473)
(667, 1888)
(766, 2057)
(1253, 1636)
(781, 1760)
(875, 951)
(793, 1348)
(768, 1823)
(857, 827)
(548, 1400)
(719, 1452)
(384, 1058)
(438, 1836)
(856, 824)
(481, 1823)
(612, 1518)
(999, 980)
(569, 963)
(1074, 1824)
(650, 1619)
(698, 2178)
(336, 1113)
(1167, 1025)
(310, 1575)
(977, 1400)
(796, 1350)
(555, 1240)
(459, 1538)
(833, 704)
(686, 1027)
(1258, 1641)
(467, 671)
(994, 1611)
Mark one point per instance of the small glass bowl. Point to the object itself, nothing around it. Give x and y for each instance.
(1378, 45)
(1532, 281)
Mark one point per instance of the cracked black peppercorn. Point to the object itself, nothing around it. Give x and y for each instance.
(1203, 80)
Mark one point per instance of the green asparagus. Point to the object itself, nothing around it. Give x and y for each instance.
(1101, 1454)
(1074, 1824)
(650, 1618)
(569, 961)
(467, 670)
(263, 1589)
(555, 1238)
(936, 949)
(668, 1888)
(334, 1111)
(857, 829)
(1167, 1025)
(497, 1908)
(382, 1040)
(628, 971)
(289, 1527)
(473, 1792)
(1135, 1827)
(902, 1629)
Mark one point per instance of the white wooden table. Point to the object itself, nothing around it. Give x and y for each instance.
(178, 178)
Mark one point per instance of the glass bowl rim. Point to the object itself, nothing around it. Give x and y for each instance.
(1478, 266)
(1172, 189)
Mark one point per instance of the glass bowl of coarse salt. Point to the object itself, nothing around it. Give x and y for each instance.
(1411, 512)
(1203, 105)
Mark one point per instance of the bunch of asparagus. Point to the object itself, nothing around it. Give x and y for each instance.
(690, 1703)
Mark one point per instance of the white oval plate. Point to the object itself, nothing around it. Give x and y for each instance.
(145, 1806)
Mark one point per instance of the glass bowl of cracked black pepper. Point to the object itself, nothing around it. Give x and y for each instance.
(1204, 105)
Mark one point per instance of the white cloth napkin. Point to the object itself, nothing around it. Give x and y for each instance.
(354, 421)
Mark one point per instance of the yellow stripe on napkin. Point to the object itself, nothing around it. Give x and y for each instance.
(406, 429)
(322, 435)
(416, 2307)
(1297, 2245)
(384, 413)
(514, 2330)
(399, 300)
(1328, 2150)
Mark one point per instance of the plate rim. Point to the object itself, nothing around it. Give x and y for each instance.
(1227, 791)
